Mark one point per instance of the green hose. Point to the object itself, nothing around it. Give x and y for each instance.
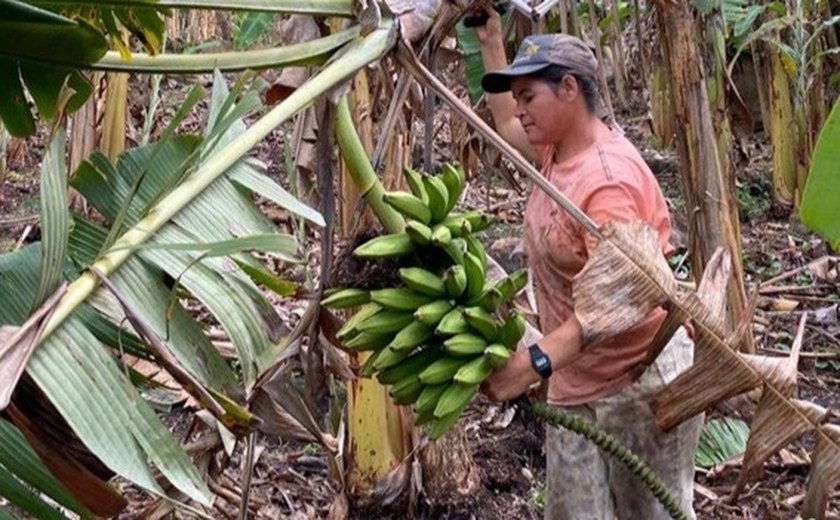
(559, 418)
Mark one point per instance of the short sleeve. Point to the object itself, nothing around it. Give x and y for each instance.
(608, 202)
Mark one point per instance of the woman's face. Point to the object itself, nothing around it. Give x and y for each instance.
(542, 108)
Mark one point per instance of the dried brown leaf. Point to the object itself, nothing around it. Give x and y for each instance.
(712, 289)
(18, 343)
(775, 370)
(277, 421)
(711, 295)
(416, 17)
(826, 268)
(624, 279)
(766, 437)
(825, 472)
(287, 403)
(717, 374)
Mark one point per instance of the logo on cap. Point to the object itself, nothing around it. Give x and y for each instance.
(530, 50)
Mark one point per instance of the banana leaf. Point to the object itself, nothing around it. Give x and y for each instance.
(819, 208)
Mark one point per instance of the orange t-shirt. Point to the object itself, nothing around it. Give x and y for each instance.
(610, 182)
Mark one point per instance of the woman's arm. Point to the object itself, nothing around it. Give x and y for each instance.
(502, 106)
(562, 345)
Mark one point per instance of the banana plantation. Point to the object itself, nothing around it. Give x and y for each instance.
(262, 258)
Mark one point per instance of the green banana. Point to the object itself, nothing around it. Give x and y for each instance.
(413, 364)
(345, 298)
(442, 370)
(455, 280)
(482, 321)
(384, 246)
(367, 370)
(475, 276)
(388, 357)
(422, 281)
(474, 372)
(479, 221)
(460, 227)
(440, 425)
(475, 247)
(424, 416)
(454, 178)
(420, 233)
(368, 341)
(409, 205)
(512, 284)
(431, 313)
(385, 321)
(489, 299)
(440, 235)
(496, 355)
(512, 330)
(401, 299)
(454, 398)
(465, 344)
(451, 324)
(429, 397)
(415, 333)
(406, 391)
(456, 249)
(349, 329)
(414, 179)
(438, 197)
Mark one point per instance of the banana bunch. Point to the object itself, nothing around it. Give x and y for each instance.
(438, 336)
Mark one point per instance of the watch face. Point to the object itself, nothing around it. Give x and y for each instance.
(540, 361)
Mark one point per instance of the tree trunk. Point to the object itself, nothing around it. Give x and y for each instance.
(716, 47)
(595, 37)
(379, 432)
(619, 71)
(710, 204)
(782, 126)
(3, 138)
(661, 102)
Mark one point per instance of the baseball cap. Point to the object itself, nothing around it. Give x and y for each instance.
(540, 51)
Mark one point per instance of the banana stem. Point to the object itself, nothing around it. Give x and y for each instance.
(557, 417)
(361, 170)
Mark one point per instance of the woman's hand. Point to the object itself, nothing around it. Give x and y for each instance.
(492, 28)
(513, 379)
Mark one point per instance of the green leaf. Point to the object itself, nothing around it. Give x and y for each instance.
(15, 492)
(704, 6)
(251, 28)
(144, 289)
(20, 459)
(284, 244)
(473, 63)
(273, 282)
(44, 84)
(31, 32)
(313, 7)
(250, 179)
(91, 393)
(55, 217)
(819, 208)
(14, 110)
(721, 440)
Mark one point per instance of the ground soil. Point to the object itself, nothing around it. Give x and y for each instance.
(291, 479)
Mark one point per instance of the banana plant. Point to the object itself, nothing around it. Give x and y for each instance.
(177, 210)
(793, 35)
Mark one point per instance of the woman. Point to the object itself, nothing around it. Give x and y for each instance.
(545, 104)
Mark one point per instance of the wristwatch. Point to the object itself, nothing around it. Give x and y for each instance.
(540, 361)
